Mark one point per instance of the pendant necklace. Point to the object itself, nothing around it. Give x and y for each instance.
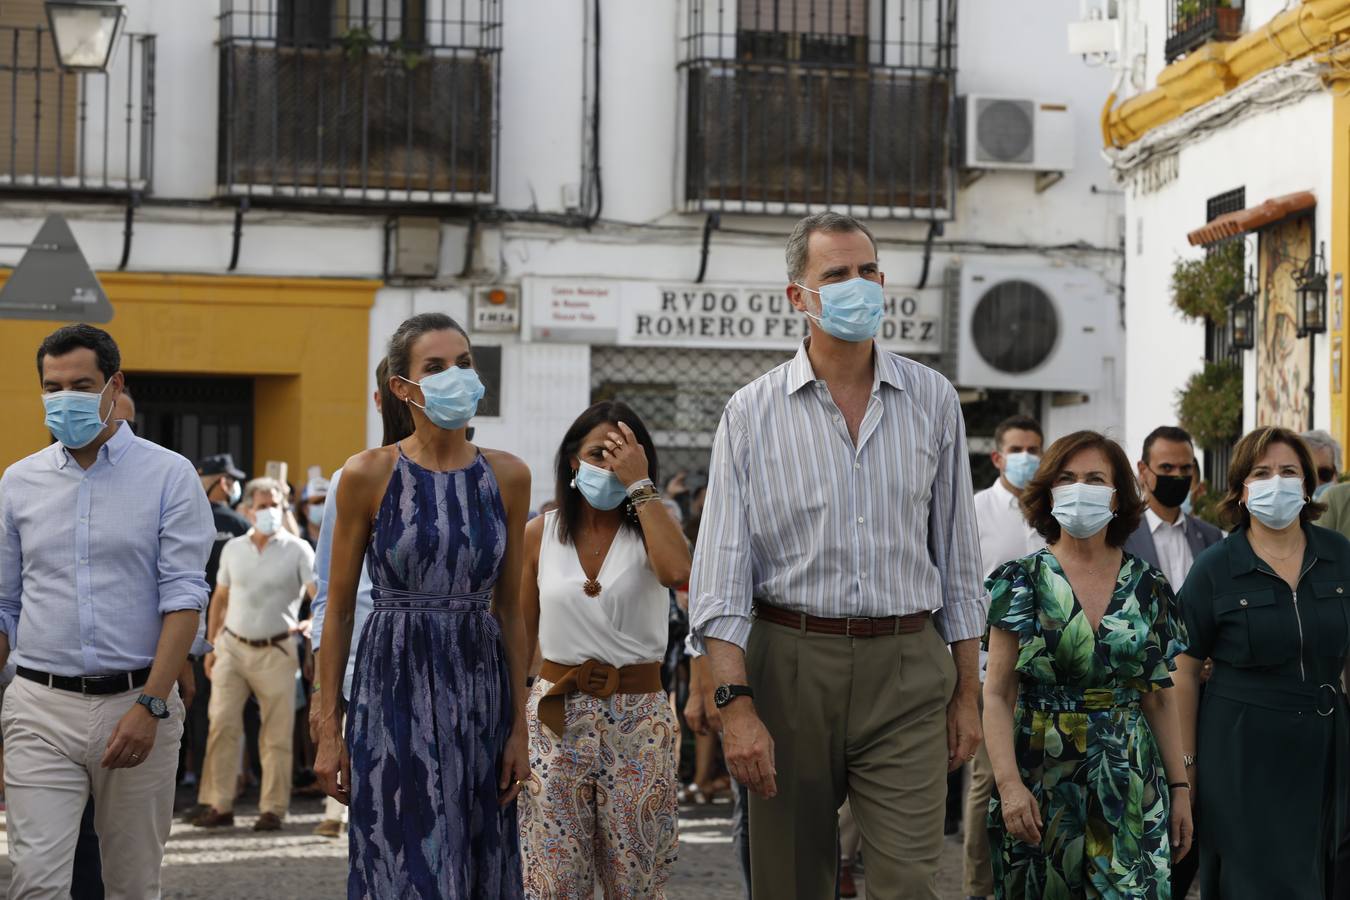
(591, 587)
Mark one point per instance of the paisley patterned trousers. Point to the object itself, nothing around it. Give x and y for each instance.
(602, 801)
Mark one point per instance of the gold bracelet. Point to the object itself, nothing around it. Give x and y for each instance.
(644, 494)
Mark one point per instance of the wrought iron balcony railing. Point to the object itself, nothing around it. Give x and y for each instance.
(800, 104)
(78, 133)
(1193, 23)
(359, 101)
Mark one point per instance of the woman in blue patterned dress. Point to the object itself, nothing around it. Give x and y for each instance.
(436, 744)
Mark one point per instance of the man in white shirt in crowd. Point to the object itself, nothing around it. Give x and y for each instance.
(1169, 539)
(1004, 535)
(253, 621)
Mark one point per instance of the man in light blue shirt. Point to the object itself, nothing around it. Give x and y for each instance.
(103, 545)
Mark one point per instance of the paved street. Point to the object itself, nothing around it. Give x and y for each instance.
(236, 864)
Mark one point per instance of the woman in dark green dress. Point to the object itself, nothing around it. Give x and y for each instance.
(1268, 749)
(1081, 735)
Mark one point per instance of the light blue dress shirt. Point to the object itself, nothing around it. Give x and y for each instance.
(91, 560)
(323, 558)
(800, 517)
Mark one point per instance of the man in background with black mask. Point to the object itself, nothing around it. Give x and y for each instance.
(1170, 539)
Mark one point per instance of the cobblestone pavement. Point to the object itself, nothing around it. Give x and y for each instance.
(236, 864)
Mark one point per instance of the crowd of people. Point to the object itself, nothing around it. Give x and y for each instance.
(492, 697)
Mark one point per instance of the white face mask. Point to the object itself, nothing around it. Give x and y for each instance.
(268, 520)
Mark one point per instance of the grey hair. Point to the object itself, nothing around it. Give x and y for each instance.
(1321, 440)
(829, 222)
(263, 486)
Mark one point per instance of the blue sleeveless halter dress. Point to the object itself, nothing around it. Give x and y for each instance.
(431, 700)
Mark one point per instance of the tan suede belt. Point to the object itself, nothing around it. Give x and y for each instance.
(858, 627)
(595, 678)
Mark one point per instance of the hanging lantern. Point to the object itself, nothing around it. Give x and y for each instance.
(1310, 294)
(85, 32)
(1242, 317)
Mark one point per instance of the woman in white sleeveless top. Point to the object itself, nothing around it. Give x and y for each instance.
(601, 802)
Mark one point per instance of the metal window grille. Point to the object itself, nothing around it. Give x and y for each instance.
(359, 101)
(679, 393)
(798, 104)
(1219, 344)
(1193, 23)
(86, 132)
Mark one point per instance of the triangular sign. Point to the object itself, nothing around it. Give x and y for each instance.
(53, 281)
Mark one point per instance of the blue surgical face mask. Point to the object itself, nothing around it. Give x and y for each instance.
(268, 520)
(314, 513)
(601, 487)
(73, 417)
(1276, 502)
(451, 397)
(849, 310)
(1082, 509)
(1186, 506)
(1019, 468)
(1322, 489)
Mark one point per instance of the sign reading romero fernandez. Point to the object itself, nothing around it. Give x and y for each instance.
(649, 313)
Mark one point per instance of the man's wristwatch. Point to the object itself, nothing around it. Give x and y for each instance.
(157, 707)
(725, 693)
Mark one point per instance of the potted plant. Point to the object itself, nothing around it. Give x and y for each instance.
(1228, 20)
(1202, 288)
(1210, 405)
(1188, 15)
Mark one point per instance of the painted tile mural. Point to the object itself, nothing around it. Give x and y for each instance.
(1283, 360)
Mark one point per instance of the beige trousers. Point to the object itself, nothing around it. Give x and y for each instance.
(267, 673)
(979, 872)
(857, 718)
(54, 744)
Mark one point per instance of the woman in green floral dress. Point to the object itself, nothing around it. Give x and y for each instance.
(1091, 796)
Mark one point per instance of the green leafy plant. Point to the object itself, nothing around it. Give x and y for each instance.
(1206, 506)
(1203, 288)
(357, 42)
(1210, 405)
(402, 54)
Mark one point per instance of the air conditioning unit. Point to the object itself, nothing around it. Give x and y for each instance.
(1043, 328)
(1018, 134)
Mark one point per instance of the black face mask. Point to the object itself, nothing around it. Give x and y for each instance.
(1171, 490)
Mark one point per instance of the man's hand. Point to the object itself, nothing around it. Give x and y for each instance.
(187, 684)
(749, 748)
(963, 727)
(132, 740)
(695, 712)
(209, 663)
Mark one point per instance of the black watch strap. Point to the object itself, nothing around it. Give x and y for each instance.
(725, 693)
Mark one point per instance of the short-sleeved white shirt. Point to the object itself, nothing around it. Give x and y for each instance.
(265, 585)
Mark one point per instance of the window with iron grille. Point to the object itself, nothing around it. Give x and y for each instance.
(1219, 343)
(359, 101)
(73, 132)
(795, 104)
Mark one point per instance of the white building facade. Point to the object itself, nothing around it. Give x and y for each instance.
(619, 237)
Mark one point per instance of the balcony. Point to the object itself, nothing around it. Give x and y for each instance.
(794, 105)
(87, 133)
(1193, 23)
(393, 105)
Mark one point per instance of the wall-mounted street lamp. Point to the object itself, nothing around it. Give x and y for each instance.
(1310, 293)
(1242, 317)
(85, 32)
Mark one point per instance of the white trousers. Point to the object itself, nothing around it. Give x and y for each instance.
(54, 743)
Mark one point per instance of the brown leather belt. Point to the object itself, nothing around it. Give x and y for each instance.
(595, 678)
(858, 627)
(265, 642)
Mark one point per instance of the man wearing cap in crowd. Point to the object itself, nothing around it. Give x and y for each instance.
(223, 482)
(313, 498)
(254, 620)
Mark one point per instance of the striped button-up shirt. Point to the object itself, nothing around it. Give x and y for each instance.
(92, 559)
(798, 516)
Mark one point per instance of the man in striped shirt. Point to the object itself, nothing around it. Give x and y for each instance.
(837, 560)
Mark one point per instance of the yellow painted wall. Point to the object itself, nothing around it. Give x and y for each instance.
(305, 342)
(1339, 263)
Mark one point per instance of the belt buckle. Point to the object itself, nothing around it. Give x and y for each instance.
(866, 624)
(1335, 696)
